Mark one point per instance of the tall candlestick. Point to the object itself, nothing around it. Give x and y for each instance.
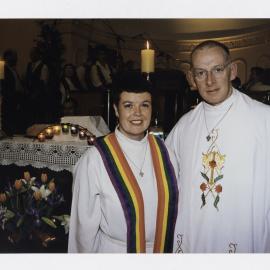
(147, 59)
(2, 65)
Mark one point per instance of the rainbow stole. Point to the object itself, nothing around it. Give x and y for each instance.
(130, 195)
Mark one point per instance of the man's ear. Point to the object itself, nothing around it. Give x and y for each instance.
(233, 71)
(116, 111)
(191, 80)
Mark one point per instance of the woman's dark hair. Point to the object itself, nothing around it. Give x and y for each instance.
(132, 82)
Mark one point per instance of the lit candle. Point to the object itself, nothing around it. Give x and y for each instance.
(82, 134)
(147, 59)
(2, 72)
(74, 130)
(91, 139)
(56, 130)
(41, 137)
(65, 128)
(49, 133)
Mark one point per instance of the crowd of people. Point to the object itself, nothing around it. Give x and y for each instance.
(36, 96)
(206, 190)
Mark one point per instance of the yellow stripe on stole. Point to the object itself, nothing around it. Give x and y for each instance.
(130, 189)
(166, 191)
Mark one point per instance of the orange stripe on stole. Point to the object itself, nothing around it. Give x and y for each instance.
(162, 210)
(131, 181)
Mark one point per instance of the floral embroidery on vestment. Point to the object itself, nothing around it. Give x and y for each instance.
(212, 162)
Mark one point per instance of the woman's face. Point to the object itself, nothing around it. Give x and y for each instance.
(134, 114)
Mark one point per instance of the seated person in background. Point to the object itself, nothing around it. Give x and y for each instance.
(254, 77)
(263, 83)
(125, 195)
(101, 73)
(83, 74)
(69, 83)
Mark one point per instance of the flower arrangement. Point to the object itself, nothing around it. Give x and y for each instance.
(28, 209)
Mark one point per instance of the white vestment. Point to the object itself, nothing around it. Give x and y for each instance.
(240, 222)
(97, 222)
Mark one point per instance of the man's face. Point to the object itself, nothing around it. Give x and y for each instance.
(212, 74)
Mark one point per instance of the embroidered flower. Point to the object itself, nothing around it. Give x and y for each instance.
(203, 187)
(218, 188)
(212, 164)
(213, 160)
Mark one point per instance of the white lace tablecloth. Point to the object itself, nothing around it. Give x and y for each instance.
(56, 156)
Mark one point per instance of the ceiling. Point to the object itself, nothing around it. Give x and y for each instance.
(179, 29)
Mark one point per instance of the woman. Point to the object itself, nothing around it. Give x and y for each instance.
(125, 192)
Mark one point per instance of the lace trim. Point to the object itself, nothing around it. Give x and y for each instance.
(56, 156)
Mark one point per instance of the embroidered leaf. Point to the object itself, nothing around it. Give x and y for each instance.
(216, 201)
(49, 222)
(205, 176)
(218, 178)
(203, 200)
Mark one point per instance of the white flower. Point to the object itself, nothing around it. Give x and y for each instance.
(30, 182)
(45, 192)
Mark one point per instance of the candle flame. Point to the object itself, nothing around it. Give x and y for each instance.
(147, 45)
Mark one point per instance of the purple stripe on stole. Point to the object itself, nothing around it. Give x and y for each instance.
(173, 191)
(116, 186)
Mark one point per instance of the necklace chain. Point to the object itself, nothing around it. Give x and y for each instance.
(208, 137)
(141, 173)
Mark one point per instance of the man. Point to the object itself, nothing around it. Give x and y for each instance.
(222, 148)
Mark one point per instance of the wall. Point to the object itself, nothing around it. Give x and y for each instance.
(18, 35)
(248, 50)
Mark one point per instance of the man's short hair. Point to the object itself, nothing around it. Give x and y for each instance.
(211, 44)
(132, 82)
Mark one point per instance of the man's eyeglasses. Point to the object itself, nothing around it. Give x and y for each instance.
(217, 71)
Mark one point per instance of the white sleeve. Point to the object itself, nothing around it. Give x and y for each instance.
(172, 141)
(85, 211)
(267, 189)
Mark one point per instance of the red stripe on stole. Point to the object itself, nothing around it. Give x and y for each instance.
(135, 187)
(161, 196)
